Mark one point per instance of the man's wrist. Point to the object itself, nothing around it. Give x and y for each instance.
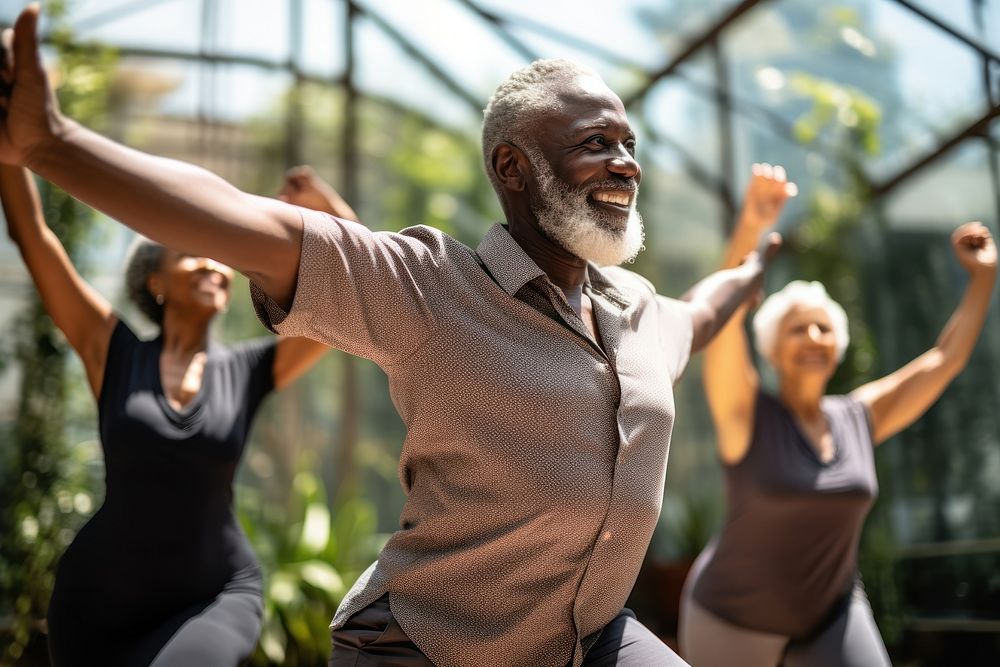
(39, 156)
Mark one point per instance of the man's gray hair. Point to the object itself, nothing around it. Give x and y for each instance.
(145, 257)
(527, 92)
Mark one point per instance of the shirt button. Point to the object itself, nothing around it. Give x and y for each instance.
(606, 536)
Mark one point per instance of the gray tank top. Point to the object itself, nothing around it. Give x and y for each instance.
(787, 552)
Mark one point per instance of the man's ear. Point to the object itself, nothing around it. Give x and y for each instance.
(510, 166)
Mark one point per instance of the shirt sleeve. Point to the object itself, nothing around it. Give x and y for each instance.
(863, 418)
(366, 293)
(676, 333)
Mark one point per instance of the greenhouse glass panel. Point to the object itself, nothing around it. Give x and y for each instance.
(626, 34)
(255, 28)
(398, 77)
(454, 38)
(167, 24)
(322, 31)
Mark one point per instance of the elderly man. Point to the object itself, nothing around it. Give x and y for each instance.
(536, 385)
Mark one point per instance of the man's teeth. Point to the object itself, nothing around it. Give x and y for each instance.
(613, 198)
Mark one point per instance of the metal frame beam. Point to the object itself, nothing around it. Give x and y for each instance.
(978, 128)
(693, 46)
(940, 25)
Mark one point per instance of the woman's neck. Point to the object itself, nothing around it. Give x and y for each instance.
(802, 395)
(184, 335)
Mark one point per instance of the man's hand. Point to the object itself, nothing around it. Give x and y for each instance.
(756, 263)
(303, 187)
(766, 195)
(714, 299)
(29, 113)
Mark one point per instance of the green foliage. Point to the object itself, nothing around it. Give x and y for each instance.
(841, 111)
(309, 557)
(46, 490)
(689, 522)
(827, 242)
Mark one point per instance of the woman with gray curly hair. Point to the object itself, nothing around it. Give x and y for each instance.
(779, 583)
(162, 574)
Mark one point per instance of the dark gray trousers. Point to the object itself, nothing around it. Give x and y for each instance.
(373, 637)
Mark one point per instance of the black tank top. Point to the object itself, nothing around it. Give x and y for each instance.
(787, 552)
(166, 536)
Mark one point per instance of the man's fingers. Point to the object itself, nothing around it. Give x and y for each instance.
(27, 60)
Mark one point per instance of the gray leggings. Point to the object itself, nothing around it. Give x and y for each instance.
(849, 640)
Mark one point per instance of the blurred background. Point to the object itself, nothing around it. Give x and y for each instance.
(885, 112)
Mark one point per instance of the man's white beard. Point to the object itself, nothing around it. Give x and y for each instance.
(583, 229)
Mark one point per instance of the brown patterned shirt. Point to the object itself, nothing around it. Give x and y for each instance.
(534, 461)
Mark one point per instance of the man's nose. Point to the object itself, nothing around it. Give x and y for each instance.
(623, 163)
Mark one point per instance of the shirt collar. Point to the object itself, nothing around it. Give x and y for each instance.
(512, 268)
(600, 282)
(506, 261)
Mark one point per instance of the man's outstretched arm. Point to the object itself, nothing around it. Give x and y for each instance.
(714, 299)
(177, 204)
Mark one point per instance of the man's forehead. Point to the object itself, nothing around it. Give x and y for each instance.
(588, 102)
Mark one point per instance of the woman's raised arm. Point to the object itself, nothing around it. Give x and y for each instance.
(730, 379)
(80, 312)
(900, 398)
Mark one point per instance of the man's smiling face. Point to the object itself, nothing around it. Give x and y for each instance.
(586, 177)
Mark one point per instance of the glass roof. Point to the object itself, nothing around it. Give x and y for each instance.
(444, 57)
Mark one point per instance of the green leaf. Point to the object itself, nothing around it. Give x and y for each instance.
(273, 641)
(323, 576)
(284, 589)
(315, 530)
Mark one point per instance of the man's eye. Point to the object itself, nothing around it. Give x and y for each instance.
(597, 139)
(630, 146)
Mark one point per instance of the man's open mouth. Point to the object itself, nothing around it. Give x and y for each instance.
(616, 200)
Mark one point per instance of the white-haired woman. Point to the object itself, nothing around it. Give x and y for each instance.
(162, 573)
(779, 584)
